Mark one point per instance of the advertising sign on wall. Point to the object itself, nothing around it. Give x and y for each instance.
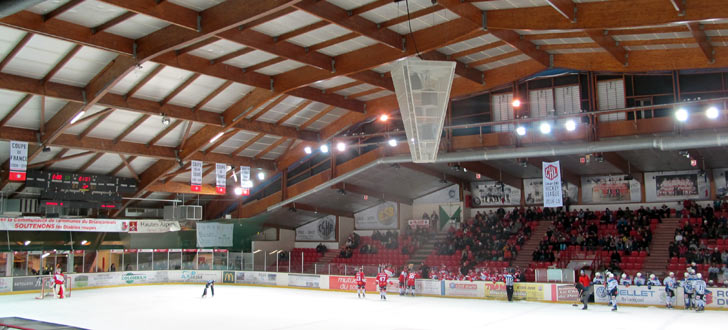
(494, 193)
(439, 214)
(62, 224)
(449, 194)
(382, 216)
(194, 276)
(464, 289)
(323, 229)
(718, 298)
(347, 283)
(304, 281)
(6, 284)
(721, 184)
(153, 226)
(430, 287)
(28, 283)
(609, 189)
(676, 185)
(255, 278)
(635, 295)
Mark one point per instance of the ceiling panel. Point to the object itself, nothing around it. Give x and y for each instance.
(217, 49)
(509, 4)
(29, 115)
(46, 7)
(104, 164)
(38, 57)
(197, 5)
(114, 124)
(197, 91)
(287, 23)
(137, 26)
(133, 78)
(227, 98)
(279, 68)
(162, 84)
(91, 13)
(319, 35)
(83, 67)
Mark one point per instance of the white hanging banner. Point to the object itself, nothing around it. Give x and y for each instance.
(18, 160)
(196, 176)
(245, 177)
(552, 184)
(220, 179)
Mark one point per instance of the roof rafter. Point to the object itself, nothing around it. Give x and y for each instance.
(127, 162)
(293, 112)
(15, 109)
(131, 128)
(247, 144)
(96, 123)
(270, 147)
(359, 190)
(698, 31)
(270, 105)
(112, 22)
(61, 63)
(164, 132)
(566, 8)
(90, 162)
(317, 117)
(62, 9)
(612, 46)
(15, 50)
(145, 80)
(300, 31)
(180, 88)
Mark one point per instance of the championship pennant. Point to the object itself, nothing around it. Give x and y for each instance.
(18, 160)
(552, 184)
(245, 181)
(196, 176)
(220, 179)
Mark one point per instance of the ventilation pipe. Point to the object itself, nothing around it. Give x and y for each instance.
(665, 143)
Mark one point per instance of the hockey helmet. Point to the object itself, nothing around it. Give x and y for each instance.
(639, 274)
(700, 275)
(624, 275)
(611, 275)
(652, 276)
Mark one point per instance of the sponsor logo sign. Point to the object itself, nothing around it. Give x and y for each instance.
(6, 284)
(131, 278)
(27, 283)
(228, 277)
(636, 295)
(567, 293)
(464, 289)
(256, 278)
(718, 298)
(305, 281)
(61, 224)
(429, 287)
(196, 276)
(348, 283)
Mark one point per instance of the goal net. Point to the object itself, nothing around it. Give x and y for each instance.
(47, 287)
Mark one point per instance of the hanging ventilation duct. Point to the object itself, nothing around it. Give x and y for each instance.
(423, 92)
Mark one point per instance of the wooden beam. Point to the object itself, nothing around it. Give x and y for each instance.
(461, 69)
(61, 64)
(62, 9)
(270, 147)
(15, 109)
(181, 188)
(121, 166)
(247, 144)
(96, 123)
(342, 87)
(266, 18)
(145, 80)
(114, 21)
(265, 64)
(373, 78)
(15, 50)
(199, 44)
(226, 136)
(293, 112)
(566, 8)
(180, 88)
(48, 162)
(322, 210)
(185, 135)
(698, 31)
(410, 16)
(162, 10)
(300, 31)
(494, 58)
(164, 132)
(232, 55)
(90, 162)
(514, 39)
(127, 162)
(131, 128)
(610, 45)
(316, 117)
(478, 49)
(335, 15)
(331, 42)
(493, 173)
(370, 6)
(95, 115)
(268, 107)
(212, 95)
(365, 93)
(359, 190)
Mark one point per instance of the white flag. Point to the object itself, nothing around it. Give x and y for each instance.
(196, 176)
(220, 179)
(18, 160)
(245, 177)
(551, 184)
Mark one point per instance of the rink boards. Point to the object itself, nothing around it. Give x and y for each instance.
(545, 292)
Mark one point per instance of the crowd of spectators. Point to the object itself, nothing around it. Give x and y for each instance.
(352, 242)
(413, 238)
(495, 236)
(389, 239)
(626, 231)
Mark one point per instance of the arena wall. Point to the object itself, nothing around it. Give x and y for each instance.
(540, 292)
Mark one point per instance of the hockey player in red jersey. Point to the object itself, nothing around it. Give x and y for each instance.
(58, 281)
(411, 283)
(382, 283)
(361, 283)
(403, 282)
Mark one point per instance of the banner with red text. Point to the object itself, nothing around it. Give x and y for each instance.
(18, 160)
(220, 179)
(196, 175)
(61, 224)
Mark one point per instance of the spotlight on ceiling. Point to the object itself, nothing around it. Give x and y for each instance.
(570, 125)
(516, 103)
(165, 121)
(261, 176)
(545, 128)
(392, 142)
(324, 148)
(712, 113)
(26, 243)
(77, 117)
(307, 150)
(341, 146)
(681, 115)
(521, 130)
(384, 117)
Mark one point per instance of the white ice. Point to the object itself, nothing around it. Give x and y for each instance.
(248, 307)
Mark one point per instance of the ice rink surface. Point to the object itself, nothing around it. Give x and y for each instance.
(247, 307)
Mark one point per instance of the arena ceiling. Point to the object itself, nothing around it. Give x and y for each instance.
(269, 77)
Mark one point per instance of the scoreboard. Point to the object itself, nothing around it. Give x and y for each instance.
(92, 189)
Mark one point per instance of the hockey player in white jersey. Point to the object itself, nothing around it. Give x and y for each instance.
(689, 290)
(598, 279)
(670, 286)
(639, 280)
(613, 290)
(626, 280)
(653, 281)
(700, 292)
